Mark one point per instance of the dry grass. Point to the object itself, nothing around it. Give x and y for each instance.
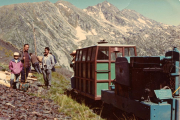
(7, 52)
(5, 67)
(67, 105)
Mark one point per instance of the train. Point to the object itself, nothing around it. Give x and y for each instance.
(146, 86)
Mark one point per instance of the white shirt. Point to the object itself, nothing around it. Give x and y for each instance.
(16, 60)
(45, 58)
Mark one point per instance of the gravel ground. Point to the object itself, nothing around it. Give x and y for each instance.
(18, 105)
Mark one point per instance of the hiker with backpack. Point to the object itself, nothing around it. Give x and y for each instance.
(47, 65)
(15, 66)
(35, 63)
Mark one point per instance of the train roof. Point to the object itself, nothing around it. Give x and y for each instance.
(111, 45)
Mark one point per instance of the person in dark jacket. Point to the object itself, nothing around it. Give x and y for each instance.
(53, 69)
(35, 63)
(26, 60)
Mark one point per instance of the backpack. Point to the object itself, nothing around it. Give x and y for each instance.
(24, 86)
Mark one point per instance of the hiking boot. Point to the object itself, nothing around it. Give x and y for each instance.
(49, 86)
(45, 87)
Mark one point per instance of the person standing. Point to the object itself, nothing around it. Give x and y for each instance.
(35, 63)
(26, 60)
(53, 69)
(15, 66)
(47, 65)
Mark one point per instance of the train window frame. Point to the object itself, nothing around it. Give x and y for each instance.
(115, 50)
(129, 52)
(84, 54)
(93, 53)
(121, 54)
(77, 55)
(113, 57)
(89, 54)
(80, 55)
(103, 54)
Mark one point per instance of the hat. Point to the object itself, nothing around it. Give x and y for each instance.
(73, 53)
(16, 53)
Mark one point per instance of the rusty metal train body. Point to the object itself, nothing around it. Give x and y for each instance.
(145, 86)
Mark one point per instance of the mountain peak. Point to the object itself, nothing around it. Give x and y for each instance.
(107, 3)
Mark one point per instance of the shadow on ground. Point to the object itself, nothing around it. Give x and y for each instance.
(106, 111)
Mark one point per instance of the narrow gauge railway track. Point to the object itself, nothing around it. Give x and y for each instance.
(105, 111)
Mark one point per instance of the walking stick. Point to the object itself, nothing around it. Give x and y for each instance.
(24, 64)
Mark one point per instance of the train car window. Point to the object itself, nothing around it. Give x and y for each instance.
(126, 51)
(103, 53)
(129, 52)
(119, 54)
(89, 54)
(113, 56)
(77, 55)
(84, 55)
(80, 54)
(93, 54)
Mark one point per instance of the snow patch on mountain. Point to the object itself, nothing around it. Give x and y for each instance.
(81, 34)
(94, 32)
(63, 5)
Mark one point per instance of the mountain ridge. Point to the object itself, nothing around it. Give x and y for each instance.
(64, 27)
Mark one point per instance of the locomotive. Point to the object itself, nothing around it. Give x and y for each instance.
(148, 87)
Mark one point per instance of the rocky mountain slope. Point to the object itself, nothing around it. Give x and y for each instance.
(64, 27)
(6, 52)
(150, 37)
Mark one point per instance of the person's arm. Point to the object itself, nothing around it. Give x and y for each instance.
(21, 66)
(21, 57)
(10, 66)
(43, 62)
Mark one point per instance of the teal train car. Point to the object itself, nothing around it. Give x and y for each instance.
(147, 86)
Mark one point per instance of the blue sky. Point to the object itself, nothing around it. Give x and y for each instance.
(165, 11)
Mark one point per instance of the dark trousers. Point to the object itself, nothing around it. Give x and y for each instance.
(37, 67)
(47, 76)
(53, 69)
(14, 83)
(23, 74)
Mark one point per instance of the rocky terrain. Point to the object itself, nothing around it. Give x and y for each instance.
(18, 105)
(64, 27)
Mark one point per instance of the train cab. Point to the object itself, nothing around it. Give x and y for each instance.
(94, 67)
